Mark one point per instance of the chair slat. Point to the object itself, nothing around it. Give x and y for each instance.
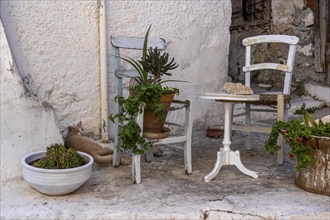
(262, 66)
(270, 39)
(137, 42)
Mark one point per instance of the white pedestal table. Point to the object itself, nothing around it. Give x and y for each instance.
(225, 156)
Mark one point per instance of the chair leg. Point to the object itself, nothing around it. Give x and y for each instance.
(248, 124)
(116, 152)
(281, 115)
(187, 144)
(136, 172)
(136, 159)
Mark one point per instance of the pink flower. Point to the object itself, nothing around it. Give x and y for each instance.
(284, 131)
(298, 139)
(291, 156)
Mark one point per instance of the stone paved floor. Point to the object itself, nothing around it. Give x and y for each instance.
(166, 192)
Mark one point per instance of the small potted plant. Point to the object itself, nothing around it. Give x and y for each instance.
(149, 92)
(309, 143)
(57, 171)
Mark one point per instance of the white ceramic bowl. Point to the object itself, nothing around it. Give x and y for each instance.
(56, 181)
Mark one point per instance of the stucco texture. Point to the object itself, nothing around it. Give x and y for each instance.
(26, 124)
(197, 33)
(55, 45)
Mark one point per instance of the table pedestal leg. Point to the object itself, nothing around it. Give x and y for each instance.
(220, 162)
(225, 156)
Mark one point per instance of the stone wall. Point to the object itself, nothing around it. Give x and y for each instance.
(290, 18)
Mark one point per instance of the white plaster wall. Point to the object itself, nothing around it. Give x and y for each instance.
(26, 125)
(56, 46)
(198, 36)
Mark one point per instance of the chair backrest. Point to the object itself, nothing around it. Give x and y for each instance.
(133, 43)
(287, 67)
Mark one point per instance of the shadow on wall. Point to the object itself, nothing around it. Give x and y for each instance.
(26, 125)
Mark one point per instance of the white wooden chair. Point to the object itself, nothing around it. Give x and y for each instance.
(136, 43)
(280, 99)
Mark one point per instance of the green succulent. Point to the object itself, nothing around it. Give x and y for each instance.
(158, 64)
(59, 157)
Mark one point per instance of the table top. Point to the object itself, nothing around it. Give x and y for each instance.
(224, 96)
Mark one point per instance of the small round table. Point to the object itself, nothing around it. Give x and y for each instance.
(225, 156)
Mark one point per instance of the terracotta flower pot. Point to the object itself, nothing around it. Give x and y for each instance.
(316, 178)
(151, 122)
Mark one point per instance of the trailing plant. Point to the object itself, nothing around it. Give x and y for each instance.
(295, 134)
(148, 88)
(59, 157)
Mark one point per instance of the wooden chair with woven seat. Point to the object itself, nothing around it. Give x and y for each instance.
(278, 101)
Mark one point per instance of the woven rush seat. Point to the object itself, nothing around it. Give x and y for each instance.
(269, 99)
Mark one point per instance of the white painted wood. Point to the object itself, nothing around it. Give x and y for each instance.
(136, 159)
(287, 68)
(247, 63)
(120, 73)
(171, 140)
(270, 39)
(118, 91)
(248, 124)
(281, 117)
(223, 96)
(188, 134)
(137, 42)
(119, 43)
(288, 74)
(262, 66)
(225, 156)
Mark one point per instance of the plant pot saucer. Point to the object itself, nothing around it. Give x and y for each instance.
(154, 135)
(214, 132)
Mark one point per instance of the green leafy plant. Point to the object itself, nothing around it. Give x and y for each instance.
(295, 134)
(300, 89)
(58, 157)
(148, 89)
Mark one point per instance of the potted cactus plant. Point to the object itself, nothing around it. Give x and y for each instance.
(309, 143)
(149, 92)
(57, 171)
